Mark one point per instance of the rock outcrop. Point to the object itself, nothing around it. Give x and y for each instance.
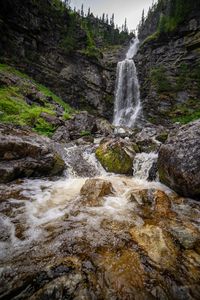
(179, 161)
(25, 154)
(168, 69)
(48, 44)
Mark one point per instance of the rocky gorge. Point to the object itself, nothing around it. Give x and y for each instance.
(90, 210)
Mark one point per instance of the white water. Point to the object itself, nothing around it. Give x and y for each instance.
(142, 164)
(127, 95)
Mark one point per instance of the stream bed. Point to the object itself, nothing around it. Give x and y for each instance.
(103, 237)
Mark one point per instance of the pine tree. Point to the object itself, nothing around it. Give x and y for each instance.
(143, 18)
(103, 17)
(82, 11)
(125, 26)
(89, 11)
(107, 21)
(112, 20)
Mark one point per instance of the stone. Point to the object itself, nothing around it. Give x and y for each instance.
(157, 244)
(179, 161)
(163, 205)
(54, 120)
(94, 190)
(24, 155)
(104, 127)
(61, 135)
(116, 155)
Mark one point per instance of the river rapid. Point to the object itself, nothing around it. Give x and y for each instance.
(100, 236)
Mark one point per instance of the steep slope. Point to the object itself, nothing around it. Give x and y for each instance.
(60, 49)
(169, 62)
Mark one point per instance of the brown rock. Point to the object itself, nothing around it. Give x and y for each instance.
(94, 190)
(158, 245)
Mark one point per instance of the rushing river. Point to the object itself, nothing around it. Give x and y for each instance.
(103, 237)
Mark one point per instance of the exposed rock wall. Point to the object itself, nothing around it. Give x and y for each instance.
(32, 33)
(169, 73)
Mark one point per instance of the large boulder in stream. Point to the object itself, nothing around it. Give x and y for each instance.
(116, 155)
(179, 161)
(26, 154)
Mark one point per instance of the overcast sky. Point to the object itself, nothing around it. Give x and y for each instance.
(130, 9)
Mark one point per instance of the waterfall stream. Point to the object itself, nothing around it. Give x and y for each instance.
(127, 95)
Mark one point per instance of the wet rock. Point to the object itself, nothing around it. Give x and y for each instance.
(153, 172)
(179, 161)
(61, 135)
(94, 190)
(157, 244)
(116, 155)
(186, 233)
(81, 124)
(27, 156)
(123, 132)
(124, 272)
(163, 205)
(104, 127)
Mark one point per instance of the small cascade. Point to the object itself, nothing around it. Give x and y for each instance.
(144, 164)
(127, 95)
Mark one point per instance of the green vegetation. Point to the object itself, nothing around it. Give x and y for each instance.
(99, 32)
(150, 38)
(91, 50)
(169, 14)
(85, 133)
(186, 112)
(160, 80)
(191, 116)
(14, 108)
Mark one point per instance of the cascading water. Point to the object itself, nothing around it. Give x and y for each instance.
(127, 95)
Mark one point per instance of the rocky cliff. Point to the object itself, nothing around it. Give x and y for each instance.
(54, 46)
(168, 64)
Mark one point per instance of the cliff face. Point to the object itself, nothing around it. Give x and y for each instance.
(36, 38)
(169, 71)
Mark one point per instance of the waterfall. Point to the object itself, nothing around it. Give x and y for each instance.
(127, 95)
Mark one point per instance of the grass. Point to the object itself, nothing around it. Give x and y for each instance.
(14, 108)
(187, 112)
(188, 118)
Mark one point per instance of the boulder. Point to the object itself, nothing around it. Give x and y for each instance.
(179, 161)
(94, 190)
(116, 155)
(104, 127)
(25, 154)
(61, 135)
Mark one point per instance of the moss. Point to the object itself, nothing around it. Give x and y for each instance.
(152, 37)
(59, 165)
(85, 133)
(162, 137)
(114, 159)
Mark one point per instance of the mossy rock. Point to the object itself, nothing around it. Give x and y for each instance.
(58, 166)
(116, 156)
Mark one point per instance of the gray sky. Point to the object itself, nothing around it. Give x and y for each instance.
(131, 9)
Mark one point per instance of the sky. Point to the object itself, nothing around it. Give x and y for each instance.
(130, 9)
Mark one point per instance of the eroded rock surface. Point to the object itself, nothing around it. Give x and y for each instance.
(179, 161)
(25, 154)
